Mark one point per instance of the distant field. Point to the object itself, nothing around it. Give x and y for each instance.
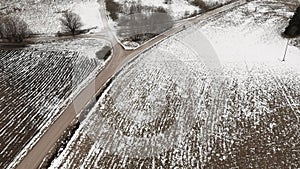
(35, 84)
(178, 9)
(43, 16)
(180, 106)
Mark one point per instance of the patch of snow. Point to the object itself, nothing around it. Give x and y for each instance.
(43, 17)
(89, 13)
(86, 47)
(176, 9)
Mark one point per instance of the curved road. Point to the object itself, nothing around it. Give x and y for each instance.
(119, 59)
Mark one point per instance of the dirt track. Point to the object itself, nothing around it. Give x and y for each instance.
(119, 58)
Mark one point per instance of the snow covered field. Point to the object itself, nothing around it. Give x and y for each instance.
(43, 16)
(35, 84)
(140, 20)
(176, 9)
(216, 95)
(86, 47)
(214, 2)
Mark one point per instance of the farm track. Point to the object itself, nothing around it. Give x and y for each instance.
(119, 59)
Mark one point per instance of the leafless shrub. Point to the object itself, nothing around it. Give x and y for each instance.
(168, 1)
(202, 5)
(113, 8)
(13, 28)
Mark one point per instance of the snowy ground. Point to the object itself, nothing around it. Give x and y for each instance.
(86, 47)
(176, 9)
(214, 2)
(216, 95)
(36, 83)
(43, 16)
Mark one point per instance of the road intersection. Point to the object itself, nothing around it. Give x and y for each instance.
(120, 58)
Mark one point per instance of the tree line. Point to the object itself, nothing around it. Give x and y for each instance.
(293, 29)
(14, 29)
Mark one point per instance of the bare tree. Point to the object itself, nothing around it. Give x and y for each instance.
(13, 28)
(113, 8)
(201, 4)
(293, 29)
(71, 22)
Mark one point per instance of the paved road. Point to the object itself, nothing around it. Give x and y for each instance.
(119, 59)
